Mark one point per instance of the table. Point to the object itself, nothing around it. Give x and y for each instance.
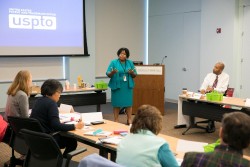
(189, 108)
(105, 149)
(77, 97)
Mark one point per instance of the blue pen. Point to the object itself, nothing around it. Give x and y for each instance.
(97, 131)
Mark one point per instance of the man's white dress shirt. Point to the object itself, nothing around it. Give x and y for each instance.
(222, 84)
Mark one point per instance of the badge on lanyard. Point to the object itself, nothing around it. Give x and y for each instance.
(124, 78)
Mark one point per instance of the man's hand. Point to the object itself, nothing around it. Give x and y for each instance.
(209, 89)
(203, 91)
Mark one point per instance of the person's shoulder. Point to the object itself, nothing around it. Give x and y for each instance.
(45, 103)
(162, 140)
(225, 74)
(45, 100)
(193, 155)
(210, 74)
(113, 61)
(21, 93)
(130, 61)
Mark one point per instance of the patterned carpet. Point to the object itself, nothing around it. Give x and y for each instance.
(169, 120)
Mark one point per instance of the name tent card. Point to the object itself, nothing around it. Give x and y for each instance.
(149, 70)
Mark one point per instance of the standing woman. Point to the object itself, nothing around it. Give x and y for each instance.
(121, 72)
(18, 93)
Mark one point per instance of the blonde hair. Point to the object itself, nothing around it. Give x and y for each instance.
(20, 83)
(147, 118)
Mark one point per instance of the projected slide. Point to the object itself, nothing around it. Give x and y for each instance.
(41, 27)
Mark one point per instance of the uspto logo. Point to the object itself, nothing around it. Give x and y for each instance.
(38, 22)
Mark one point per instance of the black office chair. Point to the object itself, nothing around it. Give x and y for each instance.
(44, 151)
(122, 110)
(17, 142)
(210, 128)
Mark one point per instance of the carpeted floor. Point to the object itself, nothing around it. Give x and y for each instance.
(169, 120)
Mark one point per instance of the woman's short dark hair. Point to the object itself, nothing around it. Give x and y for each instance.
(50, 87)
(123, 49)
(236, 130)
(147, 118)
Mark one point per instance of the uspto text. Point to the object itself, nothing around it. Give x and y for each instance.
(32, 22)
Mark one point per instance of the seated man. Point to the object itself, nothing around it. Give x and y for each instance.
(234, 136)
(218, 81)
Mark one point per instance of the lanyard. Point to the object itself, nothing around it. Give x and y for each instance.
(124, 69)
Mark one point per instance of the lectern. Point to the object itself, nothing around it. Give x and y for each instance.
(149, 87)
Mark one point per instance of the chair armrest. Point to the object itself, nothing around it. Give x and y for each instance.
(54, 133)
(74, 153)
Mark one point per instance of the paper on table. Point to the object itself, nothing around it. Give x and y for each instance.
(67, 117)
(71, 122)
(65, 108)
(111, 140)
(190, 94)
(87, 118)
(197, 95)
(186, 146)
(247, 103)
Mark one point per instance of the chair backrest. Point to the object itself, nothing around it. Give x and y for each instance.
(43, 150)
(229, 92)
(17, 123)
(95, 160)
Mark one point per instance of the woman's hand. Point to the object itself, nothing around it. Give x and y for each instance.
(79, 125)
(132, 73)
(112, 72)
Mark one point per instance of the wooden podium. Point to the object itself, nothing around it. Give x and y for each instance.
(149, 87)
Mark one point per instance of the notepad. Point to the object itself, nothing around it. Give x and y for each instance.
(65, 108)
(247, 103)
(187, 146)
(111, 140)
(87, 118)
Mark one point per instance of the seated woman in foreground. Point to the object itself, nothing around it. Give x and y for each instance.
(142, 144)
(46, 112)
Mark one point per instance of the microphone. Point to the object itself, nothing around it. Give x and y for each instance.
(163, 59)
